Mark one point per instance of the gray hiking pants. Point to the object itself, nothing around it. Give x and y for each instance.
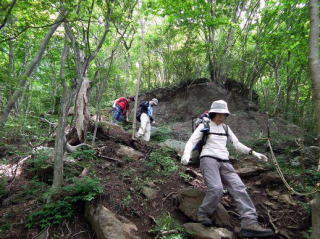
(215, 173)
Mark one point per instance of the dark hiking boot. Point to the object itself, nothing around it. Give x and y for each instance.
(255, 230)
(206, 221)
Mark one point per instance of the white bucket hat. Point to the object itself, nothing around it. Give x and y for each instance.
(219, 106)
(155, 101)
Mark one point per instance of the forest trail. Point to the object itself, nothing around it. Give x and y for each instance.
(146, 184)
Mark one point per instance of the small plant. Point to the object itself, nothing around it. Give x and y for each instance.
(186, 177)
(40, 161)
(57, 211)
(166, 223)
(127, 159)
(161, 135)
(3, 186)
(127, 200)
(89, 154)
(5, 226)
(34, 187)
(161, 162)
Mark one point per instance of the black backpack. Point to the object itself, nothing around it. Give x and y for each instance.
(143, 108)
(195, 154)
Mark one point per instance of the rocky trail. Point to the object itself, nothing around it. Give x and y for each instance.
(147, 193)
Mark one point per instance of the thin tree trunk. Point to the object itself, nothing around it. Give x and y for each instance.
(315, 76)
(33, 65)
(134, 124)
(60, 135)
(82, 64)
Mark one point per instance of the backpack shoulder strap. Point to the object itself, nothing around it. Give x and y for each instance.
(205, 133)
(226, 129)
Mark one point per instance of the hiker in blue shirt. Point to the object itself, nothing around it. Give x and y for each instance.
(145, 118)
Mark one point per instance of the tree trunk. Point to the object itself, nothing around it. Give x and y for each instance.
(60, 135)
(315, 76)
(82, 65)
(134, 123)
(82, 112)
(24, 77)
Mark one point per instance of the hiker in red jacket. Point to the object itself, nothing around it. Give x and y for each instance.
(121, 109)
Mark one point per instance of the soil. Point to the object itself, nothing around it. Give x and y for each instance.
(123, 183)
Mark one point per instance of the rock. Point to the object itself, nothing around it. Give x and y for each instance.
(189, 202)
(274, 206)
(178, 146)
(221, 217)
(107, 225)
(274, 194)
(270, 178)
(296, 161)
(149, 192)
(125, 151)
(198, 231)
(310, 156)
(286, 198)
(106, 165)
(69, 159)
(252, 106)
(250, 171)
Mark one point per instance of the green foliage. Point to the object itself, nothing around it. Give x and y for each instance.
(127, 200)
(34, 188)
(161, 135)
(88, 154)
(55, 212)
(3, 186)
(41, 165)
(41, 160)
(161, 162)
(186, 177)
(26, 128)
(166, 223)
(4, 227)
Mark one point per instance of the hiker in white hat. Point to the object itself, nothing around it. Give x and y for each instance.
(145, 117)
(217, 170)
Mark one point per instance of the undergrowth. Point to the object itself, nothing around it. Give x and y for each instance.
(166, 223)
(161, 135)
(161, 161)
(65, 207)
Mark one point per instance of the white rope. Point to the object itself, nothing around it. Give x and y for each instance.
(276, 164)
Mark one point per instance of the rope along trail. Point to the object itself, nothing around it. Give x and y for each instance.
(276, 164)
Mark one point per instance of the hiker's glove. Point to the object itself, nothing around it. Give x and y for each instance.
(260, 156)
(185, 159)
(153, 122)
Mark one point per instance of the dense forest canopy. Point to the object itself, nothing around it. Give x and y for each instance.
(263, 44)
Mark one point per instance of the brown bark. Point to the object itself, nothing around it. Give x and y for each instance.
(82, 112)
(315, 76)
(59, 147)
(134, 123)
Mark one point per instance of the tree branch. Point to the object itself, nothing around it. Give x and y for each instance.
(8, 14)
